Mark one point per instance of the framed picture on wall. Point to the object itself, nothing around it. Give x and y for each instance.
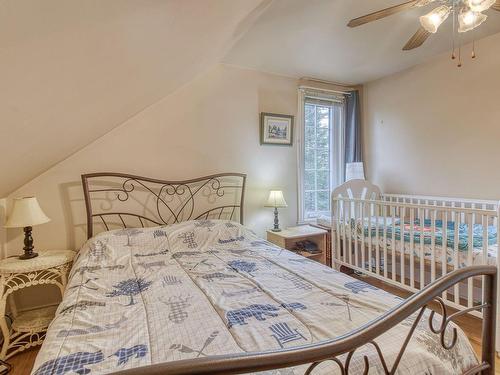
(276, 129)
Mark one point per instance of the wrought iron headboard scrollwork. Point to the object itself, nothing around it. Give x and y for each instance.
(117, 200)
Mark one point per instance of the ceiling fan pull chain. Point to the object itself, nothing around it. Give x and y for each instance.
(459, 40)
(474, 44)
(453, 56)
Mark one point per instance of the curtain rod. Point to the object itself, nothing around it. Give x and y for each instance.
(325, 90)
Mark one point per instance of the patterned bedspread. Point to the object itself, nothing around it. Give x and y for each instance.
(141, 296)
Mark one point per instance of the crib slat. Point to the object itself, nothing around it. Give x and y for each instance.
(362, 225)
(385, 244)
(370, 255)
(357, 206)
(456, 222)
(412, 247)
(444, 249)
(346, 231)
(377, 241)
(422, 248)
(484, 222)
(470, 249)
(433, 245)
(402, 244)
(338, 229)
(393, 246)
(349, 241)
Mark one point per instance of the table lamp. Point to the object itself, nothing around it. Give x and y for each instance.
(276, 200)
(354, 171)
(26, 213)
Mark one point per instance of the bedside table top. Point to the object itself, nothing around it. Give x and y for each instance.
(44, 260)
(299, 231)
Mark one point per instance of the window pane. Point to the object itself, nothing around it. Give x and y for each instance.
(310, 160)
(309, 199)
(323, 117)
(310, 180)
(323, 200)
(310, 139)
(317, 159)
(309, 115)
(323, 138)
(323, 180)
(323, 159)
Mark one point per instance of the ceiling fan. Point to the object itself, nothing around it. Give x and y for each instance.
(467, 13)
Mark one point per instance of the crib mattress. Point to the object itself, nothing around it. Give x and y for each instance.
(458, 254)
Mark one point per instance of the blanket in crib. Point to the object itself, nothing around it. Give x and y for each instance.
(453, 232)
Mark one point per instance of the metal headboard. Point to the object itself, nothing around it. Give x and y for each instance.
(120, 200)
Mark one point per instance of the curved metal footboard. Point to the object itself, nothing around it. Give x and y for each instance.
(330, 350)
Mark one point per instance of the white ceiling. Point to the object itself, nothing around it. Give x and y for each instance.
(71, 70)
(309, 38)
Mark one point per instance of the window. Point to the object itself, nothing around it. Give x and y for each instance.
(320, 152)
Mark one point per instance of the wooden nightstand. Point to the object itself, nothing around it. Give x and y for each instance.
(28, 329)
(289, 237)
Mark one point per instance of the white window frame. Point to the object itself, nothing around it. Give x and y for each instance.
(336, 141)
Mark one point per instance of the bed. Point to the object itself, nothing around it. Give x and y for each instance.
(191, 290)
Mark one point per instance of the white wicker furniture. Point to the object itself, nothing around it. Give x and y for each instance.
(28, 328)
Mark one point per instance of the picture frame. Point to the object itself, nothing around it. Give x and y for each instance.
(276, 129)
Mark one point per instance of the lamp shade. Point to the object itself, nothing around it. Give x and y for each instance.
(435, 18)
(469, 20)
(480, 5)
(26, 213)
(354, 171)
(276, 199)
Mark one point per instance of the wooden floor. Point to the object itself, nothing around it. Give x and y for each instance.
(23, 363)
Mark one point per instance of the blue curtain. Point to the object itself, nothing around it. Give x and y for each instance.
(352, 139)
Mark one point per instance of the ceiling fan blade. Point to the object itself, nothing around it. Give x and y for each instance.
(496, 6)
(417, 39)
(382, 13)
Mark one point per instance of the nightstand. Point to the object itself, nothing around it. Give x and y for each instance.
(287, 239)
(28, 328)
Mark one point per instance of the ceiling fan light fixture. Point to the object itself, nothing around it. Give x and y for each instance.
(435, 18)
(423, 3)
(480, 5)
(469, 20)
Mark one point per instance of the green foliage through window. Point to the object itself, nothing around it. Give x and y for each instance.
(317, 159)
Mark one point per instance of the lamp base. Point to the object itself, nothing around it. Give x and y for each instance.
(28, 255)
(28, 245)
(276, 221)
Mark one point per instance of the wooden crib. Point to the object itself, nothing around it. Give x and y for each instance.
(409, 241)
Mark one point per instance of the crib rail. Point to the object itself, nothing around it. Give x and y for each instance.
(411, 241)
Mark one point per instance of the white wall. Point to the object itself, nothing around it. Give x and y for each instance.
(435, 128)
(3, 232)
(209, 126)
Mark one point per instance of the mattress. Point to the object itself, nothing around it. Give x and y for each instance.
(143, 296)
(369, 228)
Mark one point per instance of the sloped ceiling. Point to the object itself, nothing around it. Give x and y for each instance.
(309, 38)
(71, 70)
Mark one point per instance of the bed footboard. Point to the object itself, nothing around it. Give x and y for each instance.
(348, 344)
